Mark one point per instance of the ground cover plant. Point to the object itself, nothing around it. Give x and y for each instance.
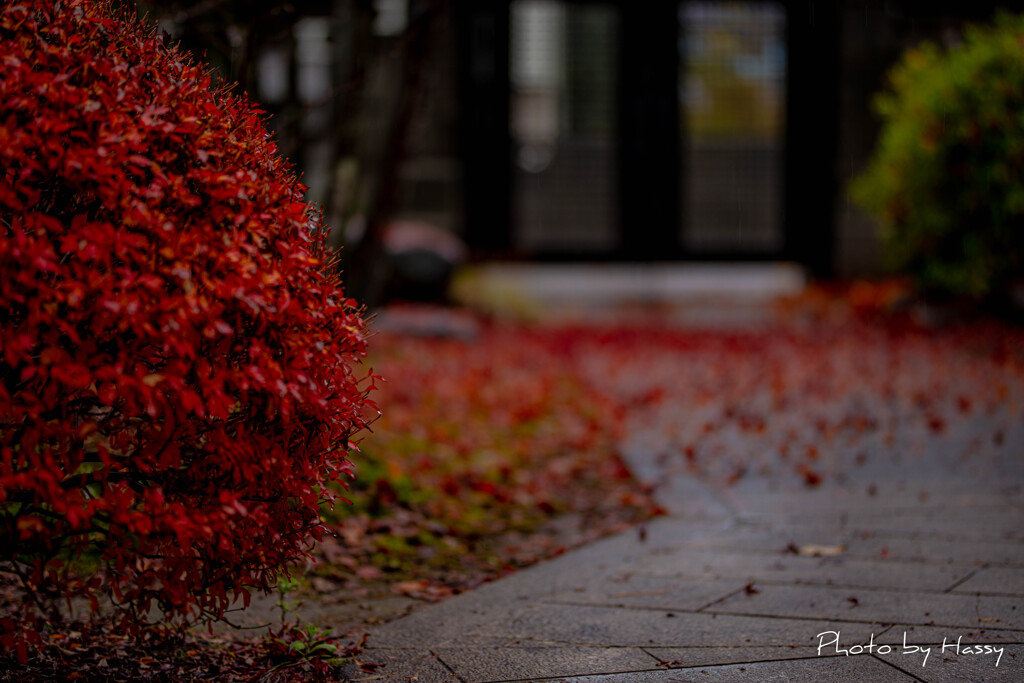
(178, 380)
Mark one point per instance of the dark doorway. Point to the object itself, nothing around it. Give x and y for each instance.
(662, 130)
(563, 63)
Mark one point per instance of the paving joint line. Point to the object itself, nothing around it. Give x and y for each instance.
(757, 661)
(739, 647)
(577, 676)
(901, 670)
(864, 558)
(783, 552)
(667, 669)
(877, 589)
(865, 621)
(858, 534)
(643, 608)
(659, 660)
(928, 535)
(966, 578)
(721, 599)
(617, 605)
(646, 652)
(437, 655)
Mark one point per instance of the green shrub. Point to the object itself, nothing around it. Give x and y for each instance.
(946, 180)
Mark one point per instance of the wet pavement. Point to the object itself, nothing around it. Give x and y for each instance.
(904, 562)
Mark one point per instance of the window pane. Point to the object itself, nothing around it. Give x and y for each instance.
(562, 118)
(732, 94)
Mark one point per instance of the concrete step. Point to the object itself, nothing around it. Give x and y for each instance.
(699, 290)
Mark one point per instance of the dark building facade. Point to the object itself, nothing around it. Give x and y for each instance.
(654, 130)
(668, 130)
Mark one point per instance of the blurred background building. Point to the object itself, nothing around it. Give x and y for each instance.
(556, 130)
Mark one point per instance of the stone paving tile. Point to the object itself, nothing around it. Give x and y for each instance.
(999, 524)
(905, 648)
(658, 592)
(683, 496)
(496, 639)
(788, 567)
(934, 635)
(740, 538)
(676, 657)
(912, 526)
(629, 627)
(941, 550)
(817, 670)
(949, 667)
(496, 601)
(424, 629)
(996, 580)
(926, 549)
(405, 665)
(866, 605)
(804, 504)
(528, 663)
(954, 524)
(874, 508)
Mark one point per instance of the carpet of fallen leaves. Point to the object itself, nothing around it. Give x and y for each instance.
(484, 443)
(810, 398)
(502, 444)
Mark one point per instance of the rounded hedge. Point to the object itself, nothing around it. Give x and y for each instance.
(177, 379)
(946, 180)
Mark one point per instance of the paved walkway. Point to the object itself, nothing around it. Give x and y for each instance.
(862, 580)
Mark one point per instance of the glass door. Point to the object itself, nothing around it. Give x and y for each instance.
(732, 89)
(562, 117)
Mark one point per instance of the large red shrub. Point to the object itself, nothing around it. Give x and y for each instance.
(176, 378)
